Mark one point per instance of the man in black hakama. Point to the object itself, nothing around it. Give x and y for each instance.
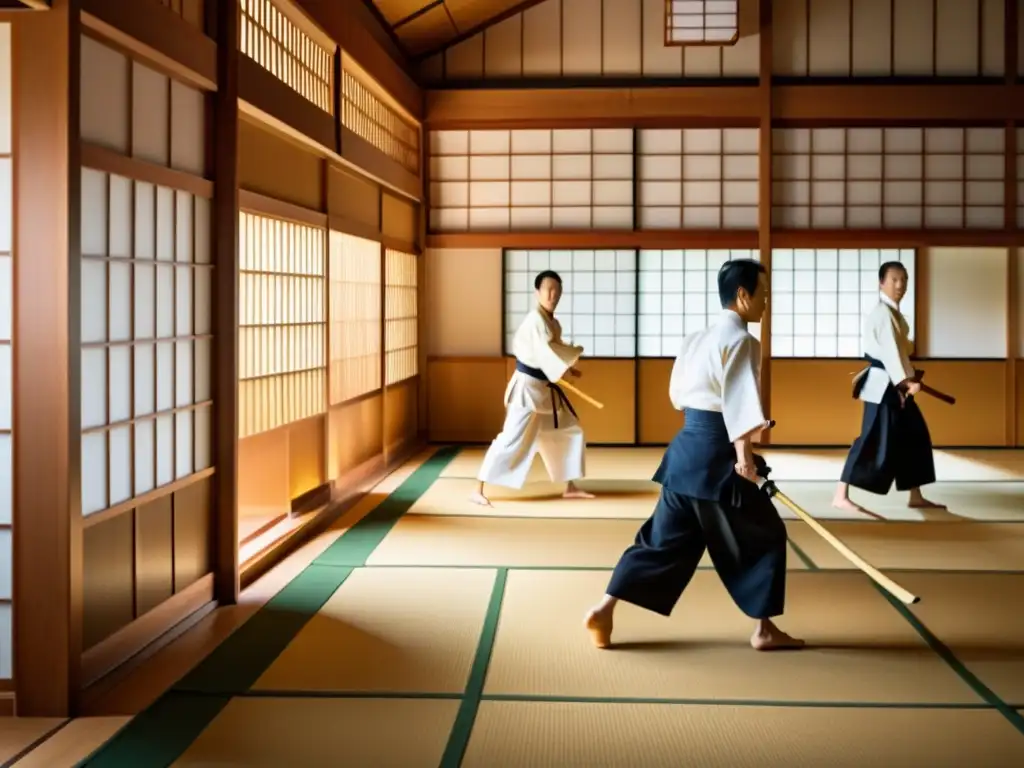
(894, 444)
(709, 499)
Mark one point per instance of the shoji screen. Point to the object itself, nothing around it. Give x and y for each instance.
(698, 178)
(893, 178)
(282, 323)
(531, 179)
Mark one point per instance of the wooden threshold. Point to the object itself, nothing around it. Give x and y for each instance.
(109, 654)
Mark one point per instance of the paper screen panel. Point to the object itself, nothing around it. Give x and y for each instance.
(355, 314)
(523, 180)
(146, 338)
(401, 316)
(698, 178)
(820, 298)
(282, 319)
(277, 44)
(689, 22)
(891, 178)
(598, 306)
(888, 38)
(136, 110)
(372, 120)
(679, 295)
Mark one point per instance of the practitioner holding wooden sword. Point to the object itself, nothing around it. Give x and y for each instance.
(709, 498)
(894, 443)
(538, 415)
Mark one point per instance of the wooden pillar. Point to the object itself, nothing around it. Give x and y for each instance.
(47, 297)
(764, 198)
(1010, 54)
(225, 239)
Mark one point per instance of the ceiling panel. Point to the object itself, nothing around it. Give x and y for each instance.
(423, 26)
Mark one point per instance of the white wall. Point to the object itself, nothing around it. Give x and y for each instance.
(967, 303)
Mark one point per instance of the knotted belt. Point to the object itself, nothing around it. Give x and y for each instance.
(558, 396)
(858, 385)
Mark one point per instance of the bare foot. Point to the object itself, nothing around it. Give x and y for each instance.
(599, 625)
(922, 503)
(576, 493)
(771, 638)
(478, 498)
(849, 506)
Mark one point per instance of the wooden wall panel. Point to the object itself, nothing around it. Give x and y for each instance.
(264, 482)
(1019, 298)
(191, 11)
(275, 167)
(464, 301)
(399, 219)
(307, 443)
(812, 404)
(980, 389)
(591, 39)
(108, 598)
(465, 402)
(193, 534)
(354, 198)
(1020, 403)
(658, 419)
(355, 433)
(401, 415)
(154, 554)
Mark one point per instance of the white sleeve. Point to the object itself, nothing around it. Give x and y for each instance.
(553, 357)
(894, 358)
(741, 388)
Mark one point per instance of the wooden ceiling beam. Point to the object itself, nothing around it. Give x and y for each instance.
(508, 13)
(722, 105)
(414, 15)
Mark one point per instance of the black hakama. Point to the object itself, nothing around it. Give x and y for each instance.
(894, 444)
(705, 504)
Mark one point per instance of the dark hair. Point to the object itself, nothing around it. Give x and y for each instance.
(884, 270)
(736, 274)
(546, 273)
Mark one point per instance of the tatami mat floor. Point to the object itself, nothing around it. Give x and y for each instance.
(423, 631)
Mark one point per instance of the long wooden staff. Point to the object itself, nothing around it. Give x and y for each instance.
(581, 395)
(890, 586)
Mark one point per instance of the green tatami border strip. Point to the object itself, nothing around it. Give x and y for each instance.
(808, 563)
(610, 568)
(462, 729)
(556, 698)
(946, 654)
(943, 651)
(515, 697)
(164, 731)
